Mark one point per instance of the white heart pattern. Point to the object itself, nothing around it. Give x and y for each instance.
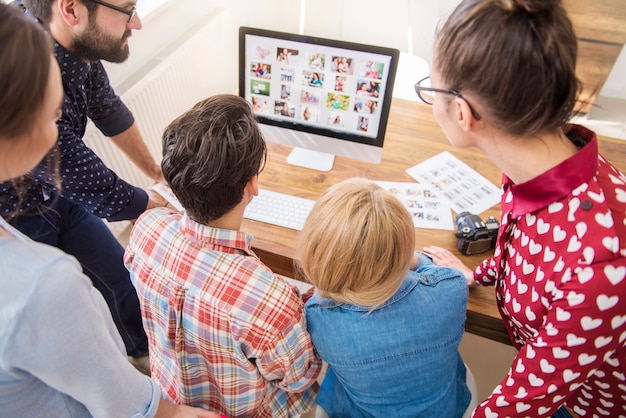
(528, 268)
(618, 321)
(569, 317)
(616, 180)
(588, 323)
(589, 254)
(558, 234)
(555, 207)
(570, 375)
(562, 315)
(574, 298)
(615, 274)
(530, 314)
(542, 226)
(605, 302)
(574, 245)
(548, 254)
(611, 244)
(598, 197)
(585, 359)
(584, 275)
(546, 367)
(602, 341)
(560, 353)
(604, 219)
(559, 266)
(573, 340)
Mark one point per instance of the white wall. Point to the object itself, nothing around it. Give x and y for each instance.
(362, 21)
(383, 23)
(164, 28)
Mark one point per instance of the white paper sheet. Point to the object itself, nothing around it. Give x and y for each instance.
(425, 207)
(457, 183)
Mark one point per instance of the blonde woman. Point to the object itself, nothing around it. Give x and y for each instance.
(386, 320)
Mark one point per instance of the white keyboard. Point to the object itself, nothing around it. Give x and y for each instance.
(279, 209)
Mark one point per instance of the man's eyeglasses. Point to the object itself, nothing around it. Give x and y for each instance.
(130, 13)
(427, 94)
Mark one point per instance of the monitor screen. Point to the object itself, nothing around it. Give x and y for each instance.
(322, 95)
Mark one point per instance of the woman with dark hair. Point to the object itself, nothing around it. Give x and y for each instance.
(505, 83)
(60, 353)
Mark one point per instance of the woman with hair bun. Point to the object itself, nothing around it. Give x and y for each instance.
(504, 75)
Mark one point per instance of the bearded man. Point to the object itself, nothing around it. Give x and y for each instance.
(67, 215)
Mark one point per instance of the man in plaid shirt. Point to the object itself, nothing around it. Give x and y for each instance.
(224, 332)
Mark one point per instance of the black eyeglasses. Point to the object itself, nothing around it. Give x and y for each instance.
(130, 13)
(427, 94)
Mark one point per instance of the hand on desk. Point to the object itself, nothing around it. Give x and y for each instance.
(445, 258)
(155, 199)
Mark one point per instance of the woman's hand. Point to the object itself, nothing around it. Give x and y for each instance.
(445, 258)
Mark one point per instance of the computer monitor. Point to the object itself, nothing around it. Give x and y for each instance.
(321, 96)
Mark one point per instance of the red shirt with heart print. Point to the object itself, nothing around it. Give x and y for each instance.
(559, 269)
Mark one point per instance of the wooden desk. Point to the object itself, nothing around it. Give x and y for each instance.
(413, 136)
(601, 31)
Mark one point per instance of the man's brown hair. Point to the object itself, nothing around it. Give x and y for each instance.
(210, 153)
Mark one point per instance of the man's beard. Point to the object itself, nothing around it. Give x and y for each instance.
(94, 45)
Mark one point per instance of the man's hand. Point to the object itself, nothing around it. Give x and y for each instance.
(155, 200)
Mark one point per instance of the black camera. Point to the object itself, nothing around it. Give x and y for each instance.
(475, 235)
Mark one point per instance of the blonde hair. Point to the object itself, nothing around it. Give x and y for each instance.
(357, 244)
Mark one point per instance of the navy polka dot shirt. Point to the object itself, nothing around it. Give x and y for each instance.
(86, 180)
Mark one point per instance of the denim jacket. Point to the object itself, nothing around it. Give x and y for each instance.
(400, 360)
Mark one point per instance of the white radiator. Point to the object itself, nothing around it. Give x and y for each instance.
(164, 88)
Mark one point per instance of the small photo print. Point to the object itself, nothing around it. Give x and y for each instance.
(371, 69)
(285, 92)
(309, 113)
(283, 108)
(287, 56)
(362, 124)
(338, 101)
(365, 106)
(313, 79)
(260, 70)
(367, 88)
(260, 104)
(286, 74)
(310, 96)
(340, 83)
(335, 119)
(342, 65)
(260, 87)
(316, 61)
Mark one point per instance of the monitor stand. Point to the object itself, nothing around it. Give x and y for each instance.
(307, 158)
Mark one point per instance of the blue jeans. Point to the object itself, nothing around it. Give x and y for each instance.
(71, 228)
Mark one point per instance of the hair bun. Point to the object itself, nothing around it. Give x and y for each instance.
(534, 6)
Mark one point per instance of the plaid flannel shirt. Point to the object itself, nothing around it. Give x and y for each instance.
(224, 332)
